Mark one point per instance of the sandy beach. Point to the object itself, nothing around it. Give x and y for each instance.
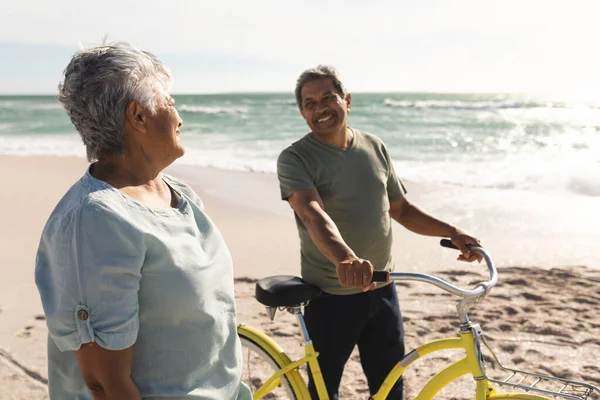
(543, 315)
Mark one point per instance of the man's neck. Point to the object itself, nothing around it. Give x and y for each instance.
(341, 139)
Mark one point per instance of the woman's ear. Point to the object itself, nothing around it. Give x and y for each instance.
(135, 116)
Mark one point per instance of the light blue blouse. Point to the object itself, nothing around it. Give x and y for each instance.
(112, 271)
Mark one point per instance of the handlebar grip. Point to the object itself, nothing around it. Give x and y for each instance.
(448, 243)
(381, 276)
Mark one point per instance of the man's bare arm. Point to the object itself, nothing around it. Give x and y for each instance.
(352, 271)
(416, 220)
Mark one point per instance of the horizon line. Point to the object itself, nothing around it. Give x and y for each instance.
(30, 94)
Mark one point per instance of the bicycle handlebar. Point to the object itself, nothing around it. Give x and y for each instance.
(480, 288)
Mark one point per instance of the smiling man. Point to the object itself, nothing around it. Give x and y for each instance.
(344, 191)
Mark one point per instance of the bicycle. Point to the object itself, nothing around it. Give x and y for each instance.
(285, 381)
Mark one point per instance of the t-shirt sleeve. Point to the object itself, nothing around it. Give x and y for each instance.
(395, 187)
(88, 272)
(292, 175)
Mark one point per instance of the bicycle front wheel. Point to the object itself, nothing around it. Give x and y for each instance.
(262, 359)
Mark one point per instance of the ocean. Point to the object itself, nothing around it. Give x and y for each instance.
(511, 142)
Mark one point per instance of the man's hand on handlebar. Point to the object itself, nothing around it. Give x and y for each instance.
(463, 240)
(356, 272)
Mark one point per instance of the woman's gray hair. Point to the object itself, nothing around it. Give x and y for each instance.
(98, 85)
(316, 73)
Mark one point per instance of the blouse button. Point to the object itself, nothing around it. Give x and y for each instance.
(82, 315)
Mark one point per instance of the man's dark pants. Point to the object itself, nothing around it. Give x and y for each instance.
(371, 320)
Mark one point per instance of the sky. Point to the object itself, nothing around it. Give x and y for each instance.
(263, 45)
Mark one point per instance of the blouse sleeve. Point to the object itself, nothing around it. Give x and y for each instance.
(88, 271)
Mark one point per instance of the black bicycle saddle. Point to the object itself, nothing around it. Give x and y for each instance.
(285, 291)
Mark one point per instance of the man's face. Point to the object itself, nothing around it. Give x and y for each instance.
(323, 107)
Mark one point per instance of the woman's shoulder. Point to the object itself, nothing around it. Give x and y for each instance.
(89, 201)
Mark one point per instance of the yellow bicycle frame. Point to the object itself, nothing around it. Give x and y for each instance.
(468, 365)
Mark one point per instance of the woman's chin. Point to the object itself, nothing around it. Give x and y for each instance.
(177, 153)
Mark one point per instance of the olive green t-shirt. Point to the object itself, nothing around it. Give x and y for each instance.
(357, 186)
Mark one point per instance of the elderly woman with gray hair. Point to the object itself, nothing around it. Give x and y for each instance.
(135, 280)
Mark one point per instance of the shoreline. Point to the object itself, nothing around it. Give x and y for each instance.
(517, 227)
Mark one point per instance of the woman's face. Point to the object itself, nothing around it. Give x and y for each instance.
(163, 143)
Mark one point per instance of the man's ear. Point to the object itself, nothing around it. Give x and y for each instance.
(135, 116)
(349, 101)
